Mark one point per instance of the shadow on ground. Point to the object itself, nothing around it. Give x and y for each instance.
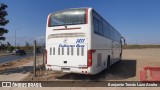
(121, 70)
(23, 70)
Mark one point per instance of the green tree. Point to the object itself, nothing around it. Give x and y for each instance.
(10, 48)
(3, 20)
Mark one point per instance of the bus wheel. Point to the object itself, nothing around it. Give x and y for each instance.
(108, 62)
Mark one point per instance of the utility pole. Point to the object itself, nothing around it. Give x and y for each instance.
(15, 38)
(34, 63)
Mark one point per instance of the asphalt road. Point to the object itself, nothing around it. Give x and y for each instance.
(8, 58)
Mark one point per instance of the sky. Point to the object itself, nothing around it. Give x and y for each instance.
(137, 20)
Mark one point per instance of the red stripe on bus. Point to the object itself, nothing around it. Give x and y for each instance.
(49, 20)
(86, 15)
(67, 28)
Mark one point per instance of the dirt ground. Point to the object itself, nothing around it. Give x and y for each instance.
(126, 70)
(143, 57)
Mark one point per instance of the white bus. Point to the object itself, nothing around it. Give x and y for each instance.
(79, 40)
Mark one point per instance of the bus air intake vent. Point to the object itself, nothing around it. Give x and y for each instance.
(66, 35)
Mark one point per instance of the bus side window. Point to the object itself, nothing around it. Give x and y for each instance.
(95, 25)
(106, 29)
(101, 31)
(111, 33)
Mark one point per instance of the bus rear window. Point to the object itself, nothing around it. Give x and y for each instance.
(68, 17)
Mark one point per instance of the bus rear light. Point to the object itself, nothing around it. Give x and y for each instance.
(90, 57)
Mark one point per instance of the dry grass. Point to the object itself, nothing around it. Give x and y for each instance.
(140, 46)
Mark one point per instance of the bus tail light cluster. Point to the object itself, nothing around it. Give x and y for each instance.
(90, 57)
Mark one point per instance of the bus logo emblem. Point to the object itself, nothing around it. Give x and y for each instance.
(65, 40)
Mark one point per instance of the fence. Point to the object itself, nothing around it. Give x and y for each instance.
(39, 63)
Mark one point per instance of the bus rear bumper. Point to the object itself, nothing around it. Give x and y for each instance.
(85, 70)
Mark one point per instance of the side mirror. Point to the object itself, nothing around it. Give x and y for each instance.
(124, 41)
